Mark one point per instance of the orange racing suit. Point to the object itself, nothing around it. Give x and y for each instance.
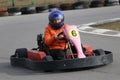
(51, 42)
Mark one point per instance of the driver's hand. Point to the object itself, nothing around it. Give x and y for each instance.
(59, 37)
(56, 37)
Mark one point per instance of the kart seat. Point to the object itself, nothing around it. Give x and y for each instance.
(41, 45)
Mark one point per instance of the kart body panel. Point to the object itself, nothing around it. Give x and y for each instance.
(76, 63)
(73, 35)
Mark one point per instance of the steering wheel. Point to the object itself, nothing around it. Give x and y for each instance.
(59, 36)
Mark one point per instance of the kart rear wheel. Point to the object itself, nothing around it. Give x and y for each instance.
(98, 52)
(21, 52)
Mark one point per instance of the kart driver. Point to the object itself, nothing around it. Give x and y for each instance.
(55, 26)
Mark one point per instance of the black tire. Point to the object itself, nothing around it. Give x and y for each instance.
(53, 7)
(96, 4)
(48, 58)
(41, 8)
(28, 10)
(66, 6)
(14, 11)
(80, 5)
(98, 52)
(111, 2)
(21, 53)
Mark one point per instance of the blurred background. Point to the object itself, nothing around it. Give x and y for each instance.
(18, 7)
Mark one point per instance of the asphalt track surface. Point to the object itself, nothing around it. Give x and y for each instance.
(21, 31)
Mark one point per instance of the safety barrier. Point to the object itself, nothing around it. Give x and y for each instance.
(32, 6)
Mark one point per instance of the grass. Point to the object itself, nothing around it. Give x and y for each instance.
(111, 26)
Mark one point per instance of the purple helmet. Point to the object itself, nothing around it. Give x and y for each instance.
(56, 15)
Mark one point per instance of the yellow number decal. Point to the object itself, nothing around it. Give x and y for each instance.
(73, 33)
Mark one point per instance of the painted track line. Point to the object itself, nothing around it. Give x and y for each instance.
(86, 28)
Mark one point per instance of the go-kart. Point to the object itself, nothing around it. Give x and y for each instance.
(40, 59)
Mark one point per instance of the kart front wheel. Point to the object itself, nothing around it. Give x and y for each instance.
(98, 52)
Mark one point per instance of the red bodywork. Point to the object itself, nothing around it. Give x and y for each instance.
(39, 55)
(36, 55)
(88, 50)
